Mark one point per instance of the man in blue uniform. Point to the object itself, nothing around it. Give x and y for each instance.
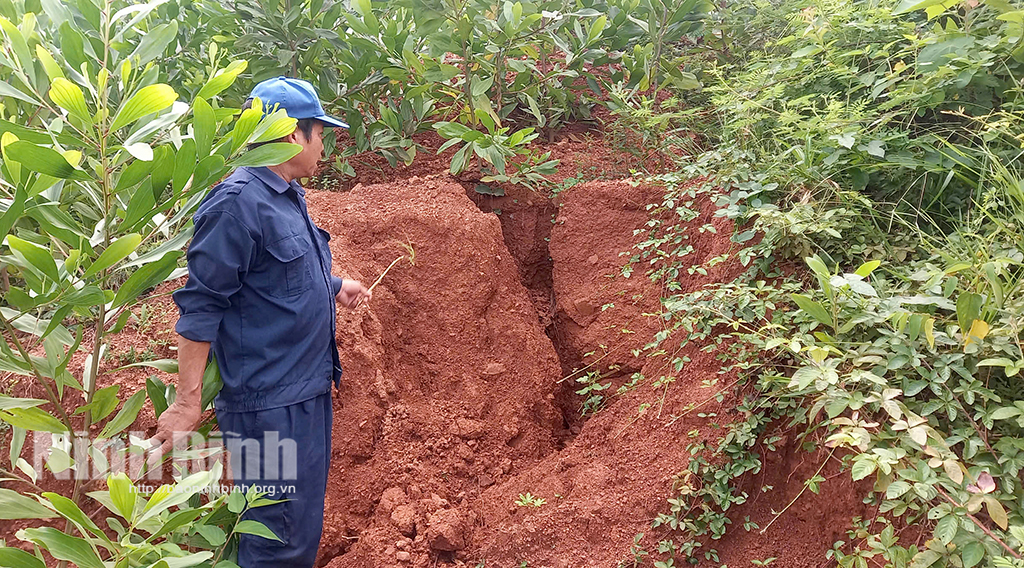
(261, 294)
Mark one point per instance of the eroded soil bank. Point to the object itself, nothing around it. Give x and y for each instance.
(459, 387)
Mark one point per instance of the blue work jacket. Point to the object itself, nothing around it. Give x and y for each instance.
(260, 290)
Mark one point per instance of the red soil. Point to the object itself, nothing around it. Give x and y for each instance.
(455, 401)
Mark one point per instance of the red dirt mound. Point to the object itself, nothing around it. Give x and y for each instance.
(448, 375)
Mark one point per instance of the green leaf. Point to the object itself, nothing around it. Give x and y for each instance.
(972, 554)
(146, 277)
(270, 154)
(123, 495)
(154, 42)
(64, 547)
(213, 535)
(812, 308)
(818, 267)
(147, 100)
(38, 257)
(69, 97)
(116, 252)
(7, 402)
(17, 558)
(867, 268)
(125, 418)
(968, 309)
(212, 383)
(946, 529)
(204, 126)
(34, 419)
(222, 80)
(13, 213)
(157, 392)
(44, 160)
(18, 43)
(104, 401)
(863, 468)
(184, 165)
(1005, 412)
(88, 296)
(70, 511)
(53, 70)
(14, 505)
(255, 528)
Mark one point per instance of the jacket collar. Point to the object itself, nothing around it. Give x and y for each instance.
(274, 181)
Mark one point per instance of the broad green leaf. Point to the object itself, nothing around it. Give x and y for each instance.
(968, 308)
(212, 383)
(34, 419)
(13, 213)
(114, 253)
(88, 296)
(104, 401)
(812, 308)
(64, 547)
(146, 277)
(7, 402)
(274, 126)
(134, 173)
(17, 558)
(122, 495)
(270, 154)
(14, 505)
(35, 255)
(222, 80)
(1005, 412)
(818, 267)
(70, 511)
(125, 418)
(142, 205)
(255, 528)
(946, 528)
(44, 160)
(213, 534)
(69, 97)
(154, 42)
(863, 468)
(184, 165)
(18, 42)
(53, 70)
(147, 100)
(867, 268)
(157, 392)
(204, 126)
(972, 554)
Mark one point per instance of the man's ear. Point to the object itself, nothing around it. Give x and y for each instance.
(294, 137)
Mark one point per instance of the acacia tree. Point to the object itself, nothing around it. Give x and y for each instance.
(102, 167)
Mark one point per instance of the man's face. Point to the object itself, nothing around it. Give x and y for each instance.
(312, 149)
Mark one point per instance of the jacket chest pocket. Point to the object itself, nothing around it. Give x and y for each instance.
(287, 272)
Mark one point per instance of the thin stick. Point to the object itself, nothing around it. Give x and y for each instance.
(385, 273)
(782, 512)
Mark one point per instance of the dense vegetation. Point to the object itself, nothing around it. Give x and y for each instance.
(867, 148)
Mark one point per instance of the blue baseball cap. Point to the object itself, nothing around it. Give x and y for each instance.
(296, 97)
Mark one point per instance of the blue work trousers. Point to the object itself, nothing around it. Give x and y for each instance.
(286, 452)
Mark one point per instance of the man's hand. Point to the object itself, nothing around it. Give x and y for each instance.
(352, 293)
(174, 427)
